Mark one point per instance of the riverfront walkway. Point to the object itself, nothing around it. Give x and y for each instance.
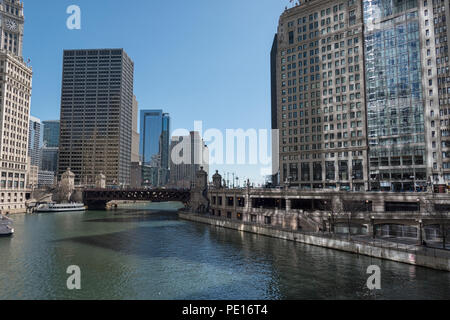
(401, 250)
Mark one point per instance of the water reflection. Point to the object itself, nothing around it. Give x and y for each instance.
(150, 254)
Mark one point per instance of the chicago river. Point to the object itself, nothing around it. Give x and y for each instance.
(146, 252)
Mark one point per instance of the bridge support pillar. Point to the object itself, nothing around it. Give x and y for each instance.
(96, 205)
(288, 205)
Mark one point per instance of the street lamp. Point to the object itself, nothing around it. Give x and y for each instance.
(330, 221)
(373, 227)
(420, 231)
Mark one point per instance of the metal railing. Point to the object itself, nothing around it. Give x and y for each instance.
(357, 239)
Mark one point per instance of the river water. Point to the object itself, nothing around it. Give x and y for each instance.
(145, 252)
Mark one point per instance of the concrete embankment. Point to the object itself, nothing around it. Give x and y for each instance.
(430, 258)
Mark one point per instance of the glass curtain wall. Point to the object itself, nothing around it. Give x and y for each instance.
(395, 103)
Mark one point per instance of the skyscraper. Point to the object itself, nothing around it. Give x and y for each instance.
(51, 133)
(154, 147)
(96, 115)
(434, 25)
(387, 127)
(318, 96)
(34, 141)
(187, 155)
(396, 101)
(50, 149)
(15, 96)
(135, 135)
(49, 159)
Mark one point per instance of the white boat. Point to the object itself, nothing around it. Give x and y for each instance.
(61, 207)
(6, 228)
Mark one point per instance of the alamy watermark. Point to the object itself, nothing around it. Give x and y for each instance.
(259, 147)
(74, 280)
(74, 20)
(374, 281)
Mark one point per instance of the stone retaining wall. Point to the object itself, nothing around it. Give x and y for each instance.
(419, 259)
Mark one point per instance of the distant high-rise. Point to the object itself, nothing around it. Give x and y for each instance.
(187, 155)
(51, 133)
(154, 147)
(49, 159)
(15, 97)
(96, 115)
(135, 135)
(34, 141)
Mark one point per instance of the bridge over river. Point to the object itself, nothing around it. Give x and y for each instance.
(97, 199)
(194, 199)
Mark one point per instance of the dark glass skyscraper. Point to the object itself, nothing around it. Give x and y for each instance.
(96, 115)
(154, 146)
(51, 133)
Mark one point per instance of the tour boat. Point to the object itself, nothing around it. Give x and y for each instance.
(6, 228)
(62, 207)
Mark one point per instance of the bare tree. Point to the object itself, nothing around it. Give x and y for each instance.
(351, 206)
(441, 217)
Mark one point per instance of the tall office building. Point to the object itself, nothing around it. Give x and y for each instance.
(49, 159)
(154, 147)
(386, 128)
(187, 155)
(51, 133)
(34, 141)
(135, 134)
(398, 100)
(96, 115)
(318, 95)
(15, 96)
(45, 179)
(434, 23)
(50, 148)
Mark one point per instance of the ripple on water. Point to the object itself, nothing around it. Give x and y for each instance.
(138, 253)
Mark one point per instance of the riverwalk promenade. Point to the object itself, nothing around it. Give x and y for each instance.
(404, 252)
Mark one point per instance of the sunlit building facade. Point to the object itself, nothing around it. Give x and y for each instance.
(15, 98)
(188, 155)
(34, 141)
(96, 115)
(395, 96)
(319, 96)
(361, 95)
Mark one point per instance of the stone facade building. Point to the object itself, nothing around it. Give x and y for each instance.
(360, 95)
(187, 155)
(320, 108)
(15, 97)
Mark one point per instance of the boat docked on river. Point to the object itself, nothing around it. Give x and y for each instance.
(60, 207)
(6, 228)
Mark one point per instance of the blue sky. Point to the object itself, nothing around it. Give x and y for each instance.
(198, 60)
